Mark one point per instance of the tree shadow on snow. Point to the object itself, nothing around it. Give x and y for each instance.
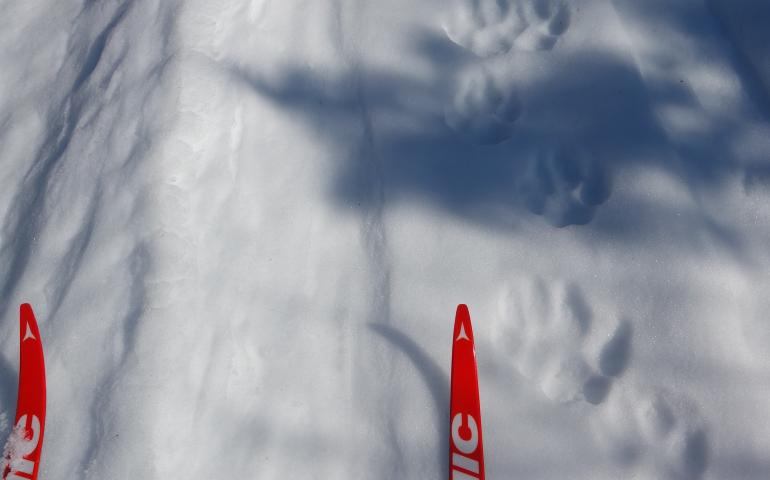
(476, 142)
(435, 379)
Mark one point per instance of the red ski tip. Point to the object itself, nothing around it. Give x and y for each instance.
(463, 329)
(466, 447)
(22, 460)
(28, 326)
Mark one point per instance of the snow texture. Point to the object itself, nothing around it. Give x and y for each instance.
(15, 449)
(245, 225)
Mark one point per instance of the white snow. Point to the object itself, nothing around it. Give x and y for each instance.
(245, 225)
(19, 444)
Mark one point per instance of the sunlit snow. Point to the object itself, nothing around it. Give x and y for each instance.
(245, 226)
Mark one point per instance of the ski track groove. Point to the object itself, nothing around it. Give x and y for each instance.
(139, 268)
(373, 230)
(79, 111)
(22, 223)
(66, 272)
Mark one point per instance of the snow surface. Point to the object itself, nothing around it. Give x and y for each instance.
(245, 226)
(16, 448)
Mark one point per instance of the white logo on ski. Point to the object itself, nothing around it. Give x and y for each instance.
(28, 333)
(467, 447)
(24, 448)
(462, 335)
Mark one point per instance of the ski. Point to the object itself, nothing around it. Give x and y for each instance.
(466, 451)
(22, 454)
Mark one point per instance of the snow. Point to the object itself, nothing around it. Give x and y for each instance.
(14, 451)
(245, 226)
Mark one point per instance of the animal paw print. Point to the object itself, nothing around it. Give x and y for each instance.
(651, 433)
(492, 27)
(549, 334)
(482, 111)
(563, 185)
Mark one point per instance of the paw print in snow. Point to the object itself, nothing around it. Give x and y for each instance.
(651, 433)
(548, 335)
(563, 185)
(481, 111)
(492, 27)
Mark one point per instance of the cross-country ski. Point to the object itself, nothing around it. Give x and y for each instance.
(466, 450)
(22, 452)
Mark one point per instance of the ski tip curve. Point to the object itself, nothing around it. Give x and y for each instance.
(463, 329)
(28, 323)
(26, 310)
